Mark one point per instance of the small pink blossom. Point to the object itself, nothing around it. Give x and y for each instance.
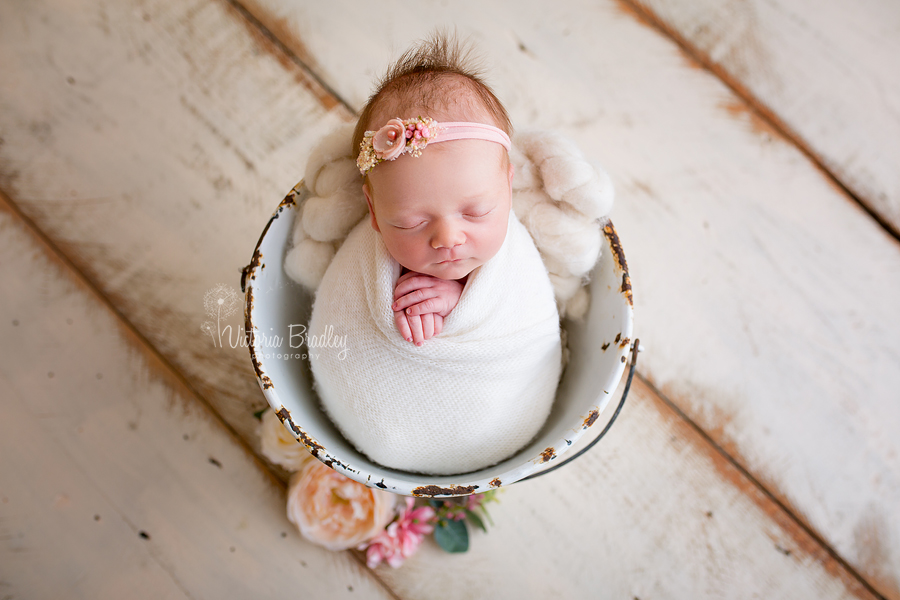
(401, 539)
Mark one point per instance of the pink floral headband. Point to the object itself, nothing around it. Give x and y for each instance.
(410, 136)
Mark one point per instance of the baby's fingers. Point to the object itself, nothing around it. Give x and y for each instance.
(403, 325)
(415, 325)
(411, 282)
(428, 326)
(432, 305)
(438, 324)
(414, 297)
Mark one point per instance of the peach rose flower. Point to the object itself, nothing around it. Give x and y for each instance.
(334, 511)
(279, 445)
(389, 141)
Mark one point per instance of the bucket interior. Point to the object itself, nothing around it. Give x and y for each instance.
(277, 307)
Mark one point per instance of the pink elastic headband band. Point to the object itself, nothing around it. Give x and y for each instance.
(411, 136)
(472, 131)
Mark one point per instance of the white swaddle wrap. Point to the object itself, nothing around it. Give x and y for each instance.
(464, 400)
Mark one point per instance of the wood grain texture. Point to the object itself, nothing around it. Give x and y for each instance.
(151, 141)
(826, 71)
(181, 129)
(765, 296)
(648, 513)
(116, 482)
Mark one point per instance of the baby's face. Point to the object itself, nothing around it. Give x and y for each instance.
(445, 212)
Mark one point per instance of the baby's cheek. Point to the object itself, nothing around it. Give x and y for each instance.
(497, 236)
(405, 252)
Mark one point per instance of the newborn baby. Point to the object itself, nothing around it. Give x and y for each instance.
(451, 327)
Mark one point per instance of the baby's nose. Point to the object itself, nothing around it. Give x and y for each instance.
(447, 235)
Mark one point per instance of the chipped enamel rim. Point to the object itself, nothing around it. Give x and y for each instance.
(599, 349)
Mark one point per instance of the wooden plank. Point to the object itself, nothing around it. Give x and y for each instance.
(766, 297)
(651, 512)
(151, 141)
(824, 72)
(115, 481)
(149, 225)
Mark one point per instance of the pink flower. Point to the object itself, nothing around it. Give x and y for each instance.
(401, 539)
(334, 511)
(389, 141)
(473, 501)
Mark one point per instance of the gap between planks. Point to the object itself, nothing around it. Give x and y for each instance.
(752, 104)
(6, 203)
(757, 110)
(647, 18)
(790, 514)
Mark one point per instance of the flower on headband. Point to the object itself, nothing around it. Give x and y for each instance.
(395, 138)
(390, 141)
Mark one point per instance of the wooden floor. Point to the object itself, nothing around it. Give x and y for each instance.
(755, 148)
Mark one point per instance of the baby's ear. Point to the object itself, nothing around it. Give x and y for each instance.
(512, 172)
(368, 194)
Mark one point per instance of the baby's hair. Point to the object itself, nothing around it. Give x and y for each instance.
(436, 73)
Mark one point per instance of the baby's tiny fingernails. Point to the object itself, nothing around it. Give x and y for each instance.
(409, 311)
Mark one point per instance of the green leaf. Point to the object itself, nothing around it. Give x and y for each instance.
(258, 414)
(476, 520)
(452, 536)
(487, 515)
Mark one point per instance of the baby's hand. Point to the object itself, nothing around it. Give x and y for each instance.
(420, 304)
(418, 328)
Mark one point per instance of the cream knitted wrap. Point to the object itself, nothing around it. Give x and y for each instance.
(464, 400)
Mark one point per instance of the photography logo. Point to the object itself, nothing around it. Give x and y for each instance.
(223, 301)
(220, 303)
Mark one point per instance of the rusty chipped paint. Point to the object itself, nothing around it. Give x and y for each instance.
(381, 484)
(619, 257)
(249, 272)
(625, 341)
(591, 418)
(312, 445)
(618, 337)
(623, 359)
(248, 329)
(290, 199)
(495, 482)
(604, 346)
(548, 454)
(434, 490)
(626, 288)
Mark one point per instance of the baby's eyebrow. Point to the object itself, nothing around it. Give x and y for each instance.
(477, 202)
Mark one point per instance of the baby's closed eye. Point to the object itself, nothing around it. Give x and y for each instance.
(408, 225)
(479, 212)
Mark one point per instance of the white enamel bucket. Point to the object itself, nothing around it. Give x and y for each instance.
(599, 349)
